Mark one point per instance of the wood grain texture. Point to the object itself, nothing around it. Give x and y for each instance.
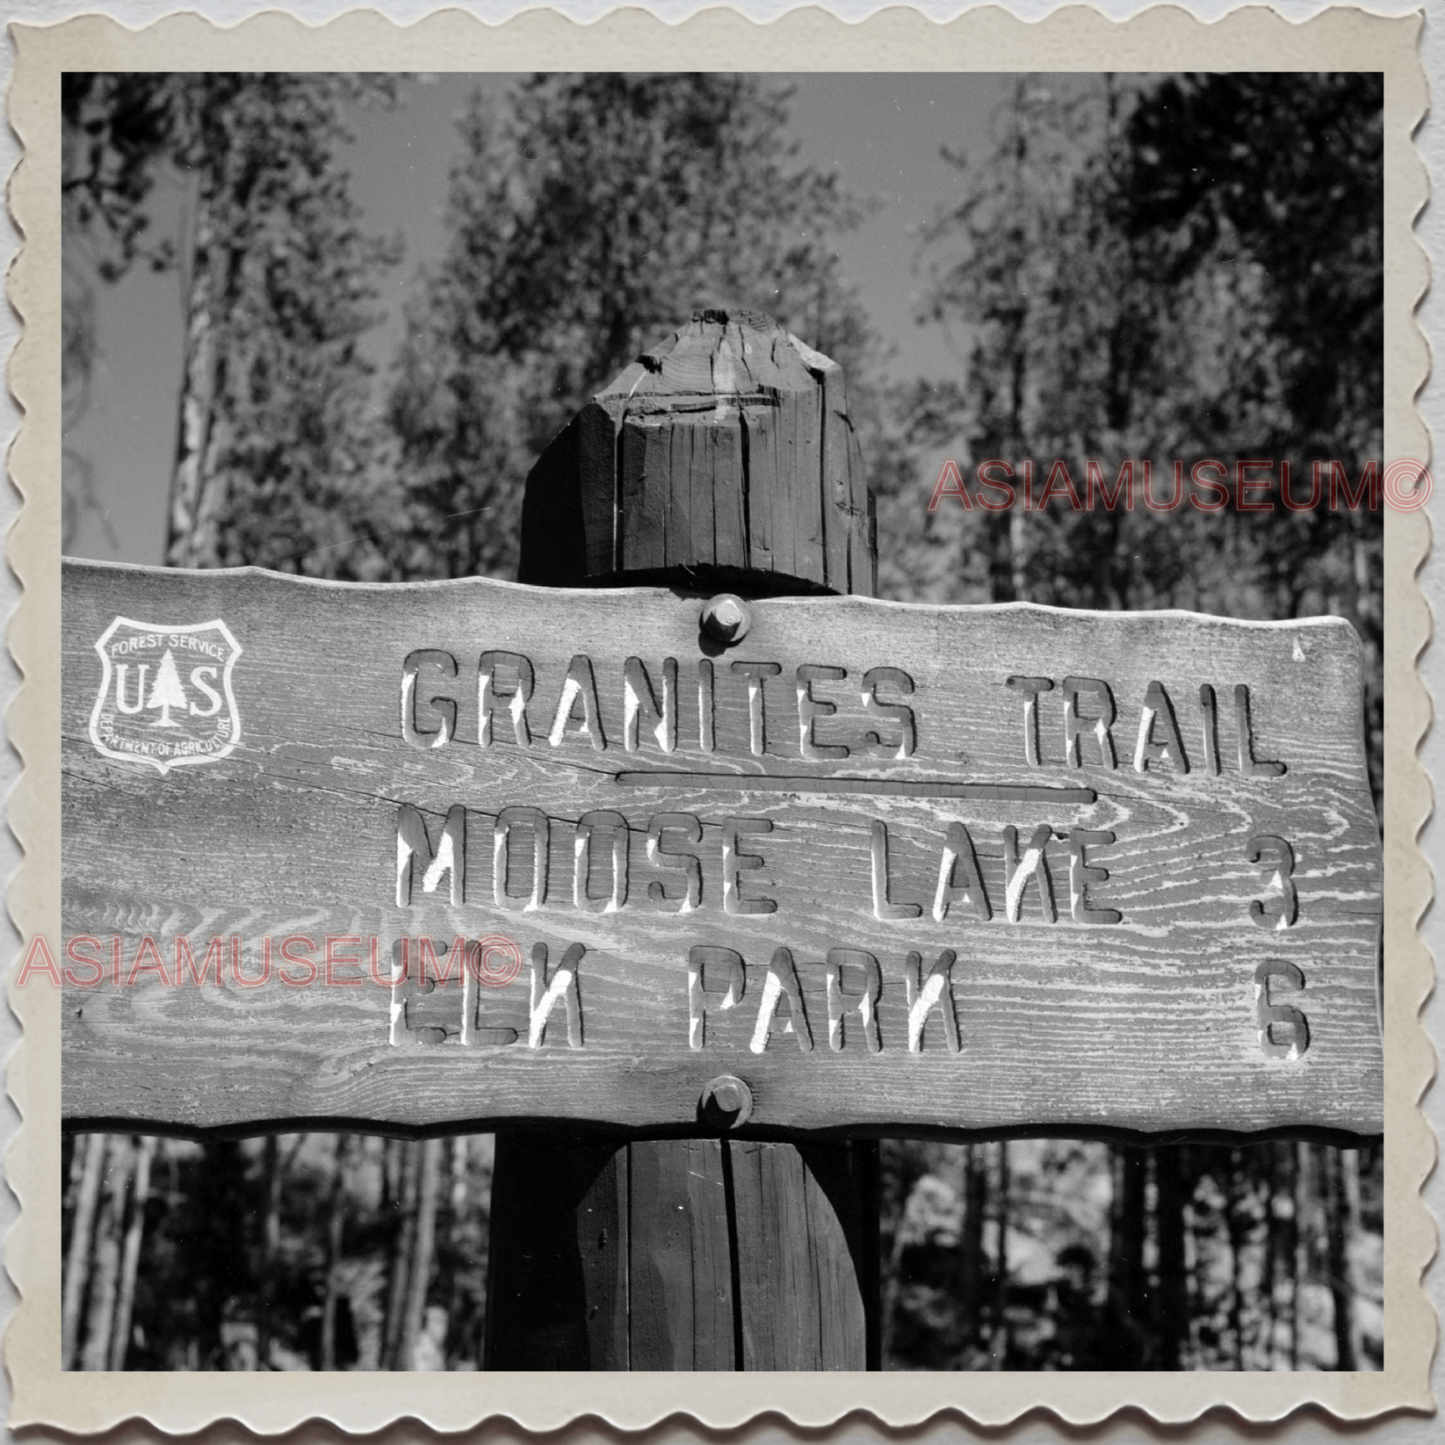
(804, 1270)
(1150, 1024)
(726, 451)
(837, 461)
(681, 1256)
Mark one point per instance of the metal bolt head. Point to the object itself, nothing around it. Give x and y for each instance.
(726, 618)
(726, 1102)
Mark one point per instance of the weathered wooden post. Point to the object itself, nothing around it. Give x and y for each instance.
(724, 461)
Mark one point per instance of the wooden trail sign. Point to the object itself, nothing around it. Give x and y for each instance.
(896, 868)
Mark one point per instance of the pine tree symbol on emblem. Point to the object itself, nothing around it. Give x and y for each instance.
(166, 697)
(167, 692)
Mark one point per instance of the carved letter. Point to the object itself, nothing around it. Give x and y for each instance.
(488, 696)
(1082, 873)
(1158, 711)
(924, 995)
(508, 819)
(397, 1010)
(639, 705)
(958, 848)
(687, 863)
(1031, 687)
(811, 708)
(446, 707)
(895, 712)
(580, 686)
(734, 861)
(782, 980)
(866, 1002)
(706, 721)
(545, 993)
(878, 849)
(455, 955)
(587, 826)
(701, 957)
(1247, 764)
(1017, 872)
(481, 958)
(432, 1027)
(1074, 725)
(450, 856)
(1268, 849)
(1269, 1015)
(1211, 730)
(755, 672)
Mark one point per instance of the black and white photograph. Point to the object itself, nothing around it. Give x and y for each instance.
(1013, 346)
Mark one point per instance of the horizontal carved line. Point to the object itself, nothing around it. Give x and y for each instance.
(882, 787)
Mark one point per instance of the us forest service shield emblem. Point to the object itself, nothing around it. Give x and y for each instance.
(165, 693)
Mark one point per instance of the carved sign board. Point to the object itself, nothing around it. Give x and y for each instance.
(469, 851)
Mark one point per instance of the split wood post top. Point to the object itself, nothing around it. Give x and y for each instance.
(722, 460)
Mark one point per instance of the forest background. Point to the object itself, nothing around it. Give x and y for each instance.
(1163, 268)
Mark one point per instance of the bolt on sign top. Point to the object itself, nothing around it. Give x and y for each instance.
(473, 851)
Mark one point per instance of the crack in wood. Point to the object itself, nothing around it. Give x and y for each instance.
(879, 787)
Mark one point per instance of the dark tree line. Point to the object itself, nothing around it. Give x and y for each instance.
(1065, 1255)
(327, 1252)
(301, 1251)
(1187, 268)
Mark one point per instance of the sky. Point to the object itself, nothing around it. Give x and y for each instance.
(882, 132)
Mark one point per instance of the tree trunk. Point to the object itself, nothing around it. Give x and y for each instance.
(890, 1295)
(393, 1168)
(1301, 1248)
(1126, 1255)
(970, 1246)
(1018, 551)
(401, 1254)
(458, 1326)
(72, 1153)
(1342, 1204)
(1235, 1227)
(204, 297)
(104, 1283)
(335, 1225)
(130, 1260)
(1271, 1251)
(272, 1178)
(423, 1249)
(998, 1331)
(77, 1258)
(1172, 1315)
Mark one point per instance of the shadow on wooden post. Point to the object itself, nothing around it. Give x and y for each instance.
(723, 460)
(557, 1296)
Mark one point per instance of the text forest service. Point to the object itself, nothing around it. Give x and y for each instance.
(892, 867)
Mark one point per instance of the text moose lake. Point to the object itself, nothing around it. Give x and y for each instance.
(470, 851)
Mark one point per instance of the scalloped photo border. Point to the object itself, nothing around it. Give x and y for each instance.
(1079, 38)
